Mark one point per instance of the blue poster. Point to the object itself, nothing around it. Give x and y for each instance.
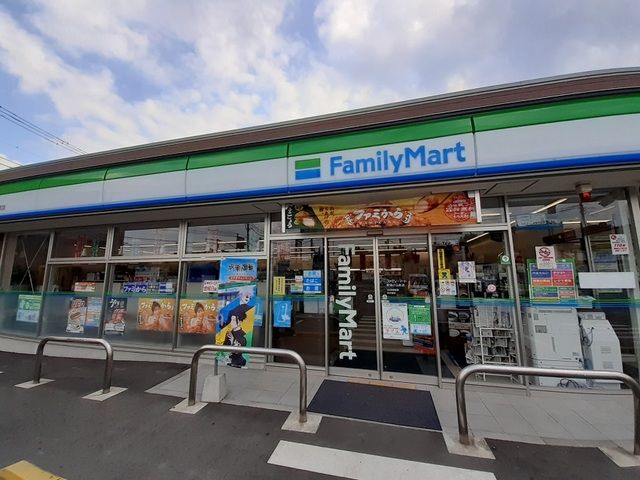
(312, 281)
(259, 312)
(238, 270)
(282, 313)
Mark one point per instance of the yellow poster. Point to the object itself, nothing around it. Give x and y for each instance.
(279, 285)
(441, 260)
(437, 209)
(444, 274)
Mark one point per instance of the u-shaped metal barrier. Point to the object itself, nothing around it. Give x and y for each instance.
(108, 368)
(302, 410)
(466, 372)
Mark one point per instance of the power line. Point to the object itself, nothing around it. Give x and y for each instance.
(36, 130)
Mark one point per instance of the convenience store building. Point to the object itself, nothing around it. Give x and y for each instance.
(399, 242)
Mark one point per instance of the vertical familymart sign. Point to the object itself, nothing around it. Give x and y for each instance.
(421, 159)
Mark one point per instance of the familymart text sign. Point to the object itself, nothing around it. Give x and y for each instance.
(451, 156)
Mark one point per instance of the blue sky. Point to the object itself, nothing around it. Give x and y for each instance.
(111, 74)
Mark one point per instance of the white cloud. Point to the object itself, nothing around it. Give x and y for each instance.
(131, 71)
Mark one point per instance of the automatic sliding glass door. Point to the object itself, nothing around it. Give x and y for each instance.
(408, 342)
(353, 332)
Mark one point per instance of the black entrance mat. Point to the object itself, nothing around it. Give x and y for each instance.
(398, 406)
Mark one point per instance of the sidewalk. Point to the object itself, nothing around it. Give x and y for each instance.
(567, 417)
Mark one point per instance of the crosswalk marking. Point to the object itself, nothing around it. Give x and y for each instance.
(362, 466)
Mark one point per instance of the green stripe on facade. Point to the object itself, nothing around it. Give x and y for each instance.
(20, 186)
(308, 163)
(147, 168)
(407, 133)
(75, 178)
(531, 115)
(232, 157)
(558, 112)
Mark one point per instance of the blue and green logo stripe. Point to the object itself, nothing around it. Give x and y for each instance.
(307, 169)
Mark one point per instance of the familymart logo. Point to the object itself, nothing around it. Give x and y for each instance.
(397, 159)
(307, 169)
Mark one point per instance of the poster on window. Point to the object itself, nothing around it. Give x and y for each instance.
(282, 313)
(210, 286)
(76, 315)
(85, 287)
(28, 308)
(546, 257)
(555, 285)
(115, 316)
(236, 319)
(467, 272)
(312, 281)
(198, 316)
(238, 270)
(619, 244)
(454, 208)
(447, 288)
(94, 309)
(156, 314)
(279, 285)
(419, 318)
(395, 321)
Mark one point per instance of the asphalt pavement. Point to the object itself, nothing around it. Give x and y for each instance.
(134, 435)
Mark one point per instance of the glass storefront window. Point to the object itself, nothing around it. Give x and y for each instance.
(84, 242)
(276, 222)
(140, 304)
(475, 311)
(142, 240)
(204, 237)
(492, 210)
(577, 275)
(23, 272)
(298, 298)
(72, 304)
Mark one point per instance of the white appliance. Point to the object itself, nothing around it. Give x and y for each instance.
(552, 340)
(601, 347)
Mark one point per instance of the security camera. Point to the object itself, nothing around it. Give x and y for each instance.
(584, 190)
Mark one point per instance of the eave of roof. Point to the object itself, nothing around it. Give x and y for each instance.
(545, 90)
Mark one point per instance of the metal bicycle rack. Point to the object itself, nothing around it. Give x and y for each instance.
(466, 372)
(108, 368)
(302, 411)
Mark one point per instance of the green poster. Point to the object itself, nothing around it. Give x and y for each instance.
(419, 319)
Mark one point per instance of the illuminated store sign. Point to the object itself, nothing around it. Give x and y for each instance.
(423, 157)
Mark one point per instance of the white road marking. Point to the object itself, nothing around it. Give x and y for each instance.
(362, 466)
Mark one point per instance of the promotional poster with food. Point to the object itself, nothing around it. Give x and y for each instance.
(198, 316)
(437, 209)
(155, 314)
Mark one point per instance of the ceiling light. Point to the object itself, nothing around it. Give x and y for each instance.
(552, 204)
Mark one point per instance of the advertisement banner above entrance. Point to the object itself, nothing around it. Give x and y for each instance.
(439, 209)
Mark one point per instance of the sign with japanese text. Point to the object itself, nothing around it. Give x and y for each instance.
(619, 244)
(238, 270)
(546, 257)
(437, 209)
